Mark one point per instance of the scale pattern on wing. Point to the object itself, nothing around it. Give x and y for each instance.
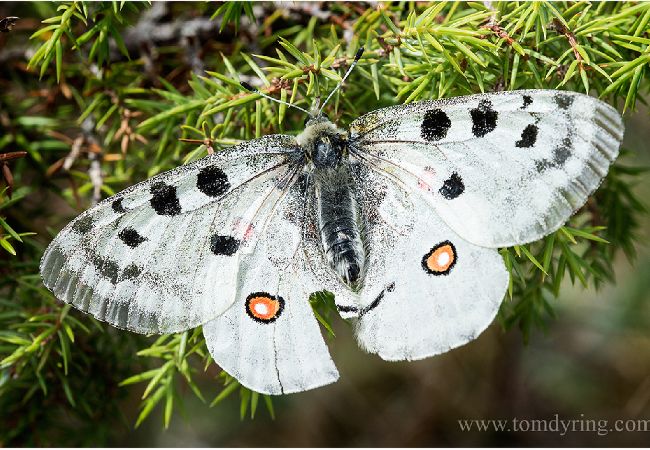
(501, 169)
(162, 256)
(427, 290)
(269, 339)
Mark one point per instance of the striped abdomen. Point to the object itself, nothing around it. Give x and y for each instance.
(340, 223)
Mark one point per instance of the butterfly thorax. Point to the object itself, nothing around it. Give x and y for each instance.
(339, 218)
(324, 144)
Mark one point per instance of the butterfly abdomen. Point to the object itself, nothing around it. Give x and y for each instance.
(339, 218)
(340, 224)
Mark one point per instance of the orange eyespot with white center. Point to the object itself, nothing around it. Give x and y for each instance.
(263, 307)
(440, 259)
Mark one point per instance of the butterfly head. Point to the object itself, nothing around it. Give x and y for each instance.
(324, 144)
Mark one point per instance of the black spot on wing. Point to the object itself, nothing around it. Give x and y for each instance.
(484, 118)
(528, 137)
(528, 100)
(164, 200)
(562, 152)
(560, 155)
(452, 187)
(564, 101)
(83, 225)
(118, 207)
(106, 268)
(224, 245)
(131, 237)
(435, 125)
(212, 181)
(131, 271)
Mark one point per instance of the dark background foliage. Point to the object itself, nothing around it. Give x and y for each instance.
(97, 96)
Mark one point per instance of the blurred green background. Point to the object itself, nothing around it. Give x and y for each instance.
(592, 361)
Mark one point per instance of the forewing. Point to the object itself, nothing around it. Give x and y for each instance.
(162, 256)
(501, 169)
(427, 290)
(269, 340)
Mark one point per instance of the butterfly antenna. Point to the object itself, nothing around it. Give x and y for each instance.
(250, 88)
(357, 57)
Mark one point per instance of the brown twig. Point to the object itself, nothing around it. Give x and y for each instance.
(6, 171)
(493, 25)
(562, 29)
(207, 142)
(126, 133)
(500, 32)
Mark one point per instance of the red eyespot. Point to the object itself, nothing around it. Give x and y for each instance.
(440, 259)
(264, 307)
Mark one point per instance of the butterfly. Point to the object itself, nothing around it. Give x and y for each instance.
(400, 217)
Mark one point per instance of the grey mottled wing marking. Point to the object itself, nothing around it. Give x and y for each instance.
(162, 256)
(501, 169)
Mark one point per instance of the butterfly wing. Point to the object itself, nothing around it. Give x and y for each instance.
(269, 340)
(162, 256)
(500, 169)
(426, 290)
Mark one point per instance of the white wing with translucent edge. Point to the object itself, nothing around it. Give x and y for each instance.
(162, 256)
(269, 340)
(427, 290)
(501, 169)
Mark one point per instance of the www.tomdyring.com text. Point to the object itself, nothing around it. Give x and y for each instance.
(601, 427)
